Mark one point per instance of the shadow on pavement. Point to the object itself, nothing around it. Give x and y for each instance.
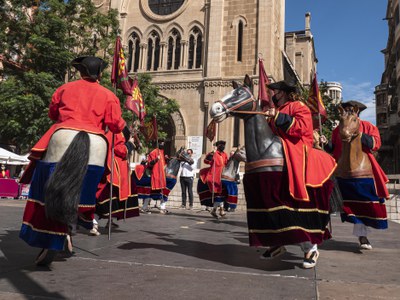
(335, 245)
(229, 254)
(16, 266)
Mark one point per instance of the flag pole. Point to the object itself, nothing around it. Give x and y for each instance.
(213, 170)
(160, 165)
(111, 187)
(320, 128)
(129, 182)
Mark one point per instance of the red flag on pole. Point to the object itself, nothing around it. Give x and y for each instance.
(314, 101)
(135, 103)
(211, 130)
(263, 92)
(119, 73)
(150, 130)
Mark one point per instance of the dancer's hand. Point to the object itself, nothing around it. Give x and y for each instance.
(270, 112)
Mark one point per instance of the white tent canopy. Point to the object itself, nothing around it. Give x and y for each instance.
(10, 158)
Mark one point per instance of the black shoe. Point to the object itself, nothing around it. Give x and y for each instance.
(273, 252)
(364, 243)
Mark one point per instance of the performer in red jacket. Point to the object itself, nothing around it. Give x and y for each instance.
(82, 106)
(369, 210)
(212, 176)
(157, 163)
(125, 200)
(307, 169)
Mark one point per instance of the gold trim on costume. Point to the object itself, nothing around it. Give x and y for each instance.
(291, 124)
(43, 231)
(366, 202)
(285, 229)
(358, 216)
(288, 208)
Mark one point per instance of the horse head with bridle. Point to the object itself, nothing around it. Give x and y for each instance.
(231, 169)
(353, 162)
(264, 150)
(172, 168)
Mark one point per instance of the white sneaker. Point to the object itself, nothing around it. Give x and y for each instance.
(364, 243)
(310, 259)
(94, 232)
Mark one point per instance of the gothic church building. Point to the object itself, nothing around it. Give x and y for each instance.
(193, 49)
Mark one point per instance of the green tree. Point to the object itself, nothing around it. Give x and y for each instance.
(38, 41)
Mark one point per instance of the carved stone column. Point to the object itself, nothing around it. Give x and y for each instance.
(163, 56)
(184, 55)
(142, 57)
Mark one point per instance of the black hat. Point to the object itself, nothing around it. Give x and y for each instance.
(283, 86)
(127, 133)
(89, 66)
(354, 103)
(219, 143)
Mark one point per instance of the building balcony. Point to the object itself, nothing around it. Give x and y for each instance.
(381, 88)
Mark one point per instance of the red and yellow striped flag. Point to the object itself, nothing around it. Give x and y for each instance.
(135, 102)
(314, 101)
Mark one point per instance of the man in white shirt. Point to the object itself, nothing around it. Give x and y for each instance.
(186, 180)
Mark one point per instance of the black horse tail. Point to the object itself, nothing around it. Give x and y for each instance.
(63, 188)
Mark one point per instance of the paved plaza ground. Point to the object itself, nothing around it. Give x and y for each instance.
(190, 255)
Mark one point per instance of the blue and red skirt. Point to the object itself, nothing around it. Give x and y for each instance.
(205, 195)
(120, 209)
(230, 192)
(361, 203)
(37, 230)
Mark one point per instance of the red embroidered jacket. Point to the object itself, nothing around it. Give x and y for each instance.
(373, 139)
(78, 105)
(306, 166)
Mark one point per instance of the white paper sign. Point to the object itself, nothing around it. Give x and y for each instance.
(196, 144)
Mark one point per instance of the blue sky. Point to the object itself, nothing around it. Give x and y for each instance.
(348, 36)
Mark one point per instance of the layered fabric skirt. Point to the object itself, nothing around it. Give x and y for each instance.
(230, 193)
(143, 186)
(206, 196)
(171, 182)
(37, 230)
(275, 219)
(120, 209)
(144, 190)
(361, 205)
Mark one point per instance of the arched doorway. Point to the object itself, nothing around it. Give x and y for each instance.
(170, 148)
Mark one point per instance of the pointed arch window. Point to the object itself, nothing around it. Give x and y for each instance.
(195, 48)
(134, 52)
(153, 51)
(174, 50)
(240, 41)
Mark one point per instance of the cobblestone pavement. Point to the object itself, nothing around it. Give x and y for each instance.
(190, 255)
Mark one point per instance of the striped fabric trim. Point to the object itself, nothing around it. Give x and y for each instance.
(286, 229)
(363, 201)
(43, 231)
(121, 210)
(284, 207)
(365, 217)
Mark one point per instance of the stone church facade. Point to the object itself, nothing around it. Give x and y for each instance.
(193, 49)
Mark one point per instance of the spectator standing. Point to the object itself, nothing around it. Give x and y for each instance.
(186, 180)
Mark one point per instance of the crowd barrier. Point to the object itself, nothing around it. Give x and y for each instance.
(10, 188)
